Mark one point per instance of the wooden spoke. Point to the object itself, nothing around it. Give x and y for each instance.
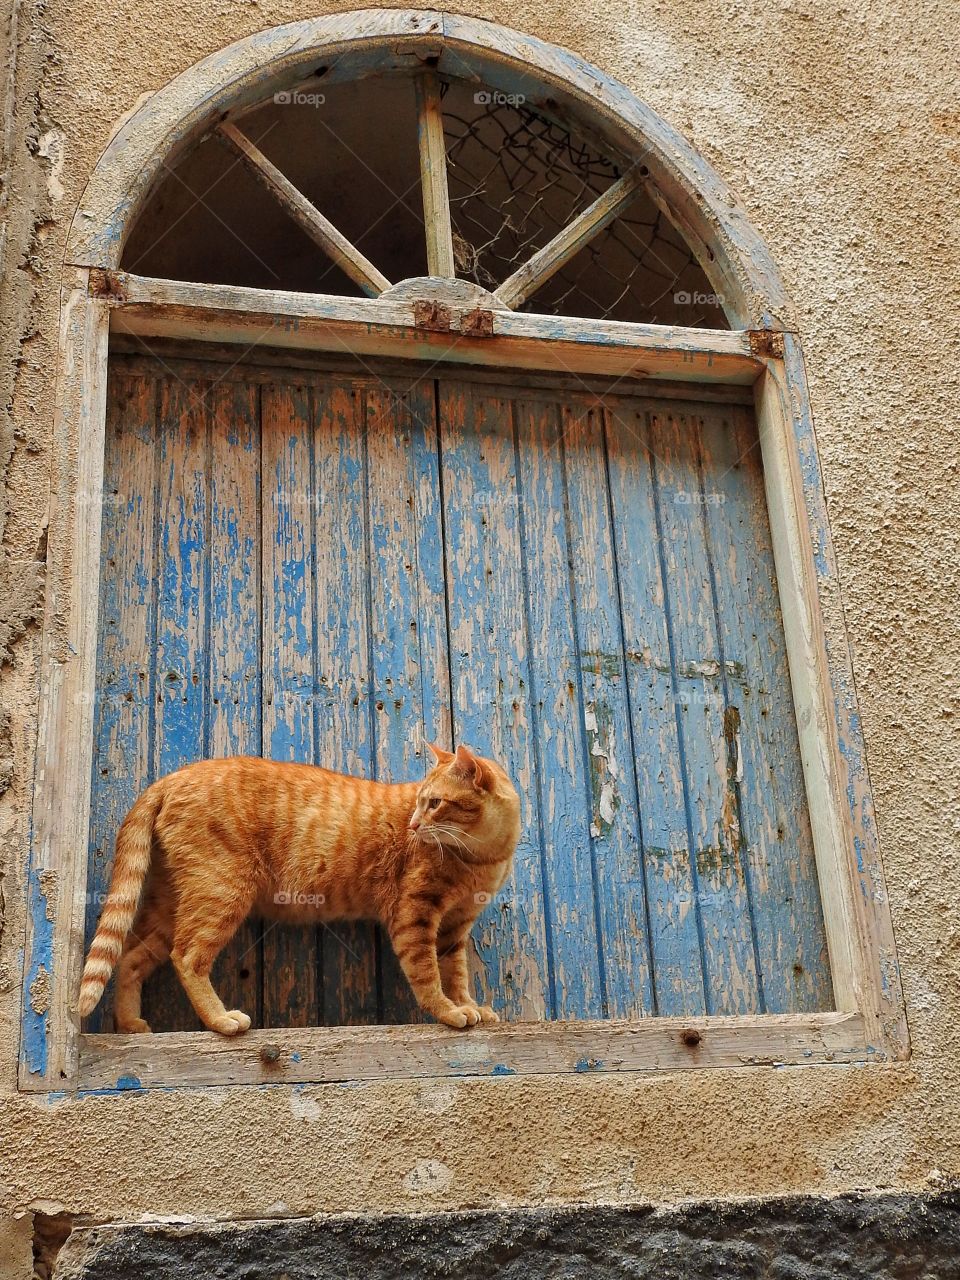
(568, 242)
(320, 229)
(433, 178)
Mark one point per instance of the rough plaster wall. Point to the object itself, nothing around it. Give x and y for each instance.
(840, 131)
(31, 245)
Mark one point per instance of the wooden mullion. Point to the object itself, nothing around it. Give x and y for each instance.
(320, 229)
(568, 242)
(433, 178)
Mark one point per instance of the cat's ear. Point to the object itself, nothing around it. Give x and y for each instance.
(471, 767)
(441, 756)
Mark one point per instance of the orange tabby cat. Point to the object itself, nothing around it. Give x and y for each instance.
(220, 839)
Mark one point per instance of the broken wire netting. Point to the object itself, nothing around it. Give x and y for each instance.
(517, 178)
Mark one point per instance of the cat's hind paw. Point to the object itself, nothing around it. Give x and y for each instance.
(133, 1026)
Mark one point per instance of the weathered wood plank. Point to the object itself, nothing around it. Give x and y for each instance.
(319, 228)
(342, 657)
(855, 985)
(863, 956)
(672, 906)
(233, 641)
(123, 748)
(228, 313)
(409, 670)
(785, 896)
(568, 242)
(267, 364)
(433, 177)
(60, 816)
(711, 796)
(182, 671)
(292, 969)
(556, 696)
(613, 804)
(490, 673)
(328, 1055)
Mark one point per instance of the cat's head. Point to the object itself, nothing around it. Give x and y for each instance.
(467, 805)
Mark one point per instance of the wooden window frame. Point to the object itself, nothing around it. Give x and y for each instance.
(869, 1024)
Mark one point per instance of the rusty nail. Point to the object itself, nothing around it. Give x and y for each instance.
(270, 1053)
(690, 1037)
(105, 284)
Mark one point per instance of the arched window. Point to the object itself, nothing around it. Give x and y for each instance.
(447, 394)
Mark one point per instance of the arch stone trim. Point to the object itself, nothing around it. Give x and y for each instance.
(236, 78)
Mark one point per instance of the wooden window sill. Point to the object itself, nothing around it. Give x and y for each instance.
(324, 1055)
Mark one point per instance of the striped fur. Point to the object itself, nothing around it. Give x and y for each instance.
(223, 839)
(130, 869)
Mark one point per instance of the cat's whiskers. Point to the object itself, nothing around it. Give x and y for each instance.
(458, 837)
(438, 842)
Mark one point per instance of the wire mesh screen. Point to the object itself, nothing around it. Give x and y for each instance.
(517, 178)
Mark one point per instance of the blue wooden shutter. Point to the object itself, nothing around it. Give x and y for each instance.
(319, 566)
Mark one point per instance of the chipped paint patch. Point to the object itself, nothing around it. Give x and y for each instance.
(49, 885)
(40, 991)
(427, 1178)
(304, 1108)
(50, 147)
(438, 1098)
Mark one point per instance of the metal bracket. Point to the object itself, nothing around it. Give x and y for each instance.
(477, 323)
(435, 316)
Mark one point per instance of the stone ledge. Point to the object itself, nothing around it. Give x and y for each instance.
(892, 1237)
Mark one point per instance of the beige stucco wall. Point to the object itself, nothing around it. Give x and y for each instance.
(841, 134)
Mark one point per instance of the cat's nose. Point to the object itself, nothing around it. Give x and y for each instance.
(413, 823)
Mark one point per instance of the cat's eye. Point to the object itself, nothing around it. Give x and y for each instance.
(434, 803)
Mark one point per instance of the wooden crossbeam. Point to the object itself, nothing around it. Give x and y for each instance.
(320, 229)
(384, 326)
(433, 178)
(568, 242)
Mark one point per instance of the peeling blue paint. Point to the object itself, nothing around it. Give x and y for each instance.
(565, 550)
(33, 1048)
(125, 1086)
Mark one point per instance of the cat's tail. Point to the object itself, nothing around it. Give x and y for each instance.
(130, 867)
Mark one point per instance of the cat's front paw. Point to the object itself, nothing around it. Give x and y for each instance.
(233, 1023)
(487, 1014)
(460, 1016)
